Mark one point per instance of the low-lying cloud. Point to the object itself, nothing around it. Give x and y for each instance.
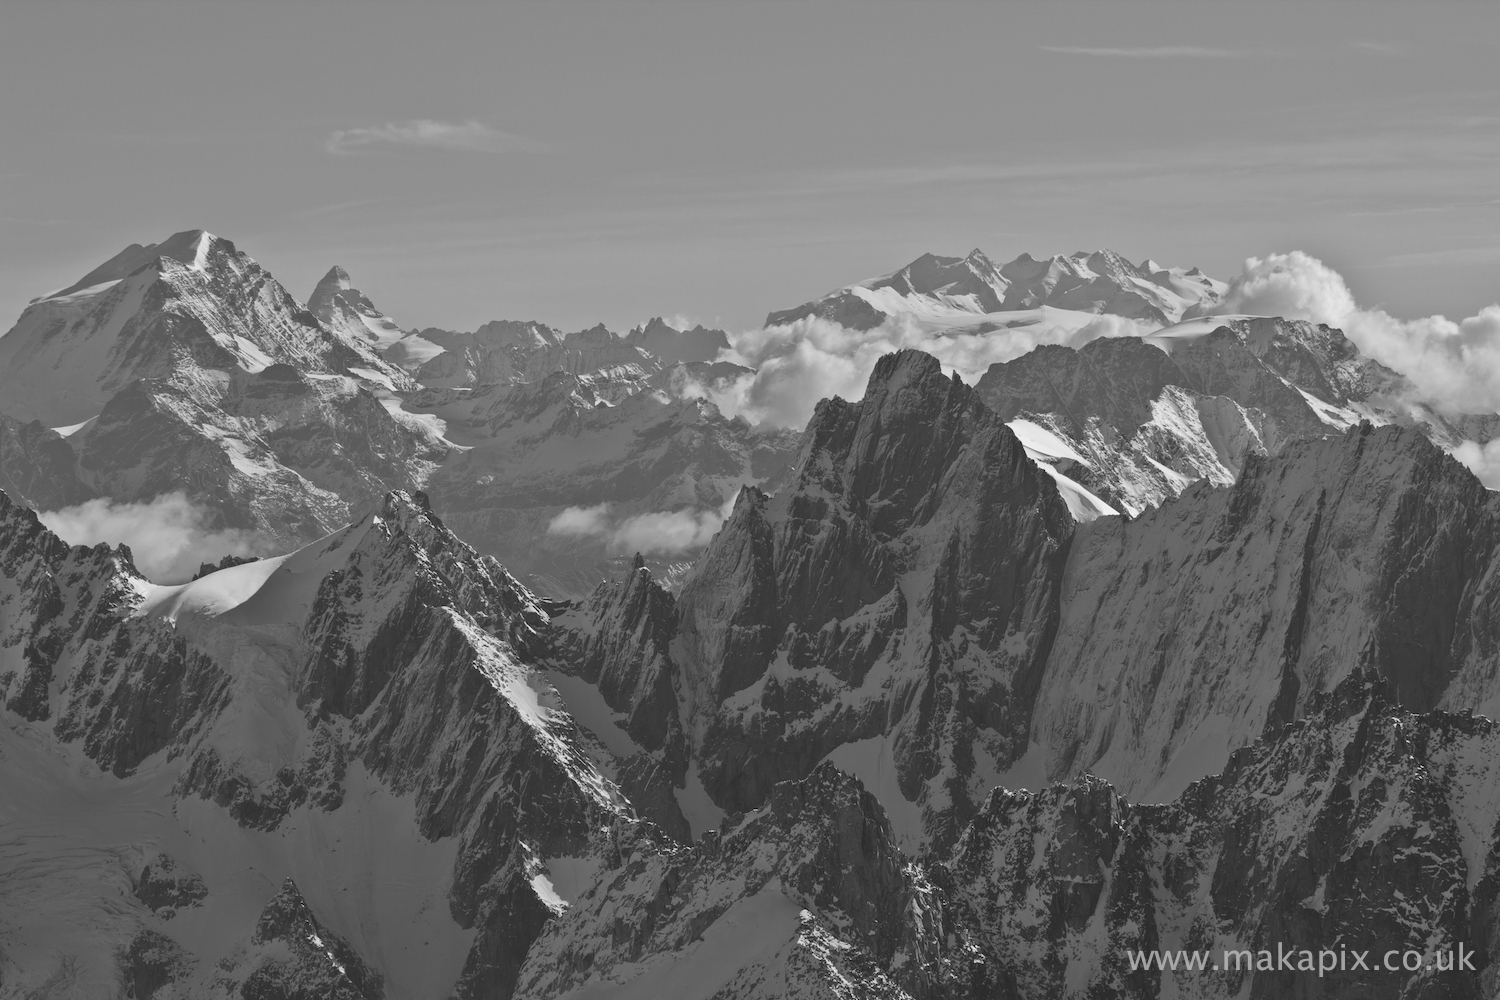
(1482, 459)
(169, 536)
(802, 362)
(469, 135)
(662, 533)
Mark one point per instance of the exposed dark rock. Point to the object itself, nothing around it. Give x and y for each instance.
(164, 886)
(294, 957)
(150, 962)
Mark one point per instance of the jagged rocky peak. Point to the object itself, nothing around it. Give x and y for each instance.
(675, 346)
(895, 598)
(292, 956)
(344, 308)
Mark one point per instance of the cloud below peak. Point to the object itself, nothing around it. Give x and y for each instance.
(470, 136)
(664, 532)
(169, 536)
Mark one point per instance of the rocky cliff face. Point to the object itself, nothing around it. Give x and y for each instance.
(1362, 551)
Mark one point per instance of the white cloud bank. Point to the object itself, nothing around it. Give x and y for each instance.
(1455, 364)
(168, 536)
(469, 135)
(800, 363)
(665, 533)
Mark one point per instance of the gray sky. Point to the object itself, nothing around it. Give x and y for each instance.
(614, 161)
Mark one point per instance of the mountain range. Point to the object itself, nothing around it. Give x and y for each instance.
(551, 680)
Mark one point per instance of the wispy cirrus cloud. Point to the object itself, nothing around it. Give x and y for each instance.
(470, 136)
(1378, 48)
(1155, 52)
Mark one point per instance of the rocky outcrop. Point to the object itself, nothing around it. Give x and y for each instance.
(164, 885)
(291, 956)
(151, 964)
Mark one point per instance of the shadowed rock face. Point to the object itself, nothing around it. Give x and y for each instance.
(1113, 379)
(902, 583)
(1216, 617)
(38, 467)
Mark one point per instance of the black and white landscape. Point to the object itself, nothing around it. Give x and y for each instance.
(1169, 635)
(838, 500)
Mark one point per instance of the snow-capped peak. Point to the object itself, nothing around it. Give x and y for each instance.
(342, 307)
(188, 247)
(961, 292)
